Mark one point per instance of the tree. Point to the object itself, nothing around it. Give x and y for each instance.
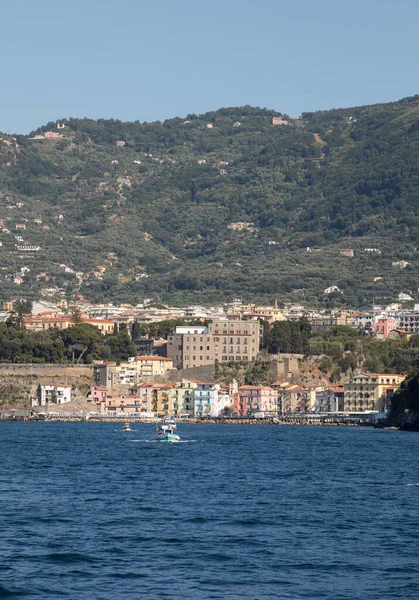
(17, 315)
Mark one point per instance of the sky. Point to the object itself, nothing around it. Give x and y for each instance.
(154, 60)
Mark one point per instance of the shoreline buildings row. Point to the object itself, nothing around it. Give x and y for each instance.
(139, 395)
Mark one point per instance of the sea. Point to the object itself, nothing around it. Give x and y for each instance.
(90, 512)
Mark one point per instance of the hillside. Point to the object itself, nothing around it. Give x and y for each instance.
(122, 211)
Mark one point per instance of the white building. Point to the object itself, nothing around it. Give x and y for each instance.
(206, 400)
(52, 394)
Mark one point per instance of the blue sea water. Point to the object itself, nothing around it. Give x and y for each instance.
(89, 512)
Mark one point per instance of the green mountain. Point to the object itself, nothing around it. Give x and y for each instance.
(154, 209)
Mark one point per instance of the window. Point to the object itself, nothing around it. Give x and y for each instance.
(209, 347)
(194, 358)
(224, 358)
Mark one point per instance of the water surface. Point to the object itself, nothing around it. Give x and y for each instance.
(90, 512)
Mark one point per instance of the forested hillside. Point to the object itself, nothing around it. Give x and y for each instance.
(122, 211)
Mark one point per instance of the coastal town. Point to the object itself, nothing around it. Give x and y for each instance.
(196, 371)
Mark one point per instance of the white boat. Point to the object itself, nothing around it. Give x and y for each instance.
(126, 427)
(166, 433)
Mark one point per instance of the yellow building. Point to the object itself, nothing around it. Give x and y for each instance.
(150, 366)
(370, 391)
(162, 400)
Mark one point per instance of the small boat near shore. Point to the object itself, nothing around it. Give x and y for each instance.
(126, 427)
(165, 432)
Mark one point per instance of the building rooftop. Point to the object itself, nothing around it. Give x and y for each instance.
(154, 358)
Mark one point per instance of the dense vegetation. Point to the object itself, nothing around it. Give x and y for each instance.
(81, 343)
(343, 350)
(404, 410)
(150, 218)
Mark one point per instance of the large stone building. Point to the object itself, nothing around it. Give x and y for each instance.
(221, 341)
(370, 391)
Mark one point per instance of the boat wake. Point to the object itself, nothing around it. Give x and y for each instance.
(412, 484)
(159, 442)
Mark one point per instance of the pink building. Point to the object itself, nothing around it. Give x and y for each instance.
(254, 399)
(98, 394)
(124, 403)
(383, 327)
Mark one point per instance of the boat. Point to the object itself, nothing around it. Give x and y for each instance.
(126, 427)
(165, 432)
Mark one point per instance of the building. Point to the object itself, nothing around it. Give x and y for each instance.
(127, 373)
(255, 400)
(383, 327)
(150, 366)
(279, 121)
(106, 326)
(183, 398)
(121, 404)
(98, 394)
(346, 252)
(44, 323)
(408, 321)
(242, 226)
(206, 399)
(52, 135)
(329, 399)
(221, 341)
(145, 346)
(52, 394)
(323, 322)
(370, 391)
(297, 399)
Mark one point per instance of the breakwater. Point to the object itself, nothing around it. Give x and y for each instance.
(344, 421)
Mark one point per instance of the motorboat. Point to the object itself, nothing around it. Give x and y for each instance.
(126, 427)
(165, 432)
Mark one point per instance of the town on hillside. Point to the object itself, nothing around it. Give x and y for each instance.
(233, 360)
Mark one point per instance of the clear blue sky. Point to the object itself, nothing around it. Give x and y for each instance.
(132, 59)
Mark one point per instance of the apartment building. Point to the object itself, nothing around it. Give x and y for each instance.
(52, 394)
(370, 391)
(150, 366)
(258, 400)
(183, 398)
(221, 341)
(297, 399)
(329, 399)
(408, 322)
